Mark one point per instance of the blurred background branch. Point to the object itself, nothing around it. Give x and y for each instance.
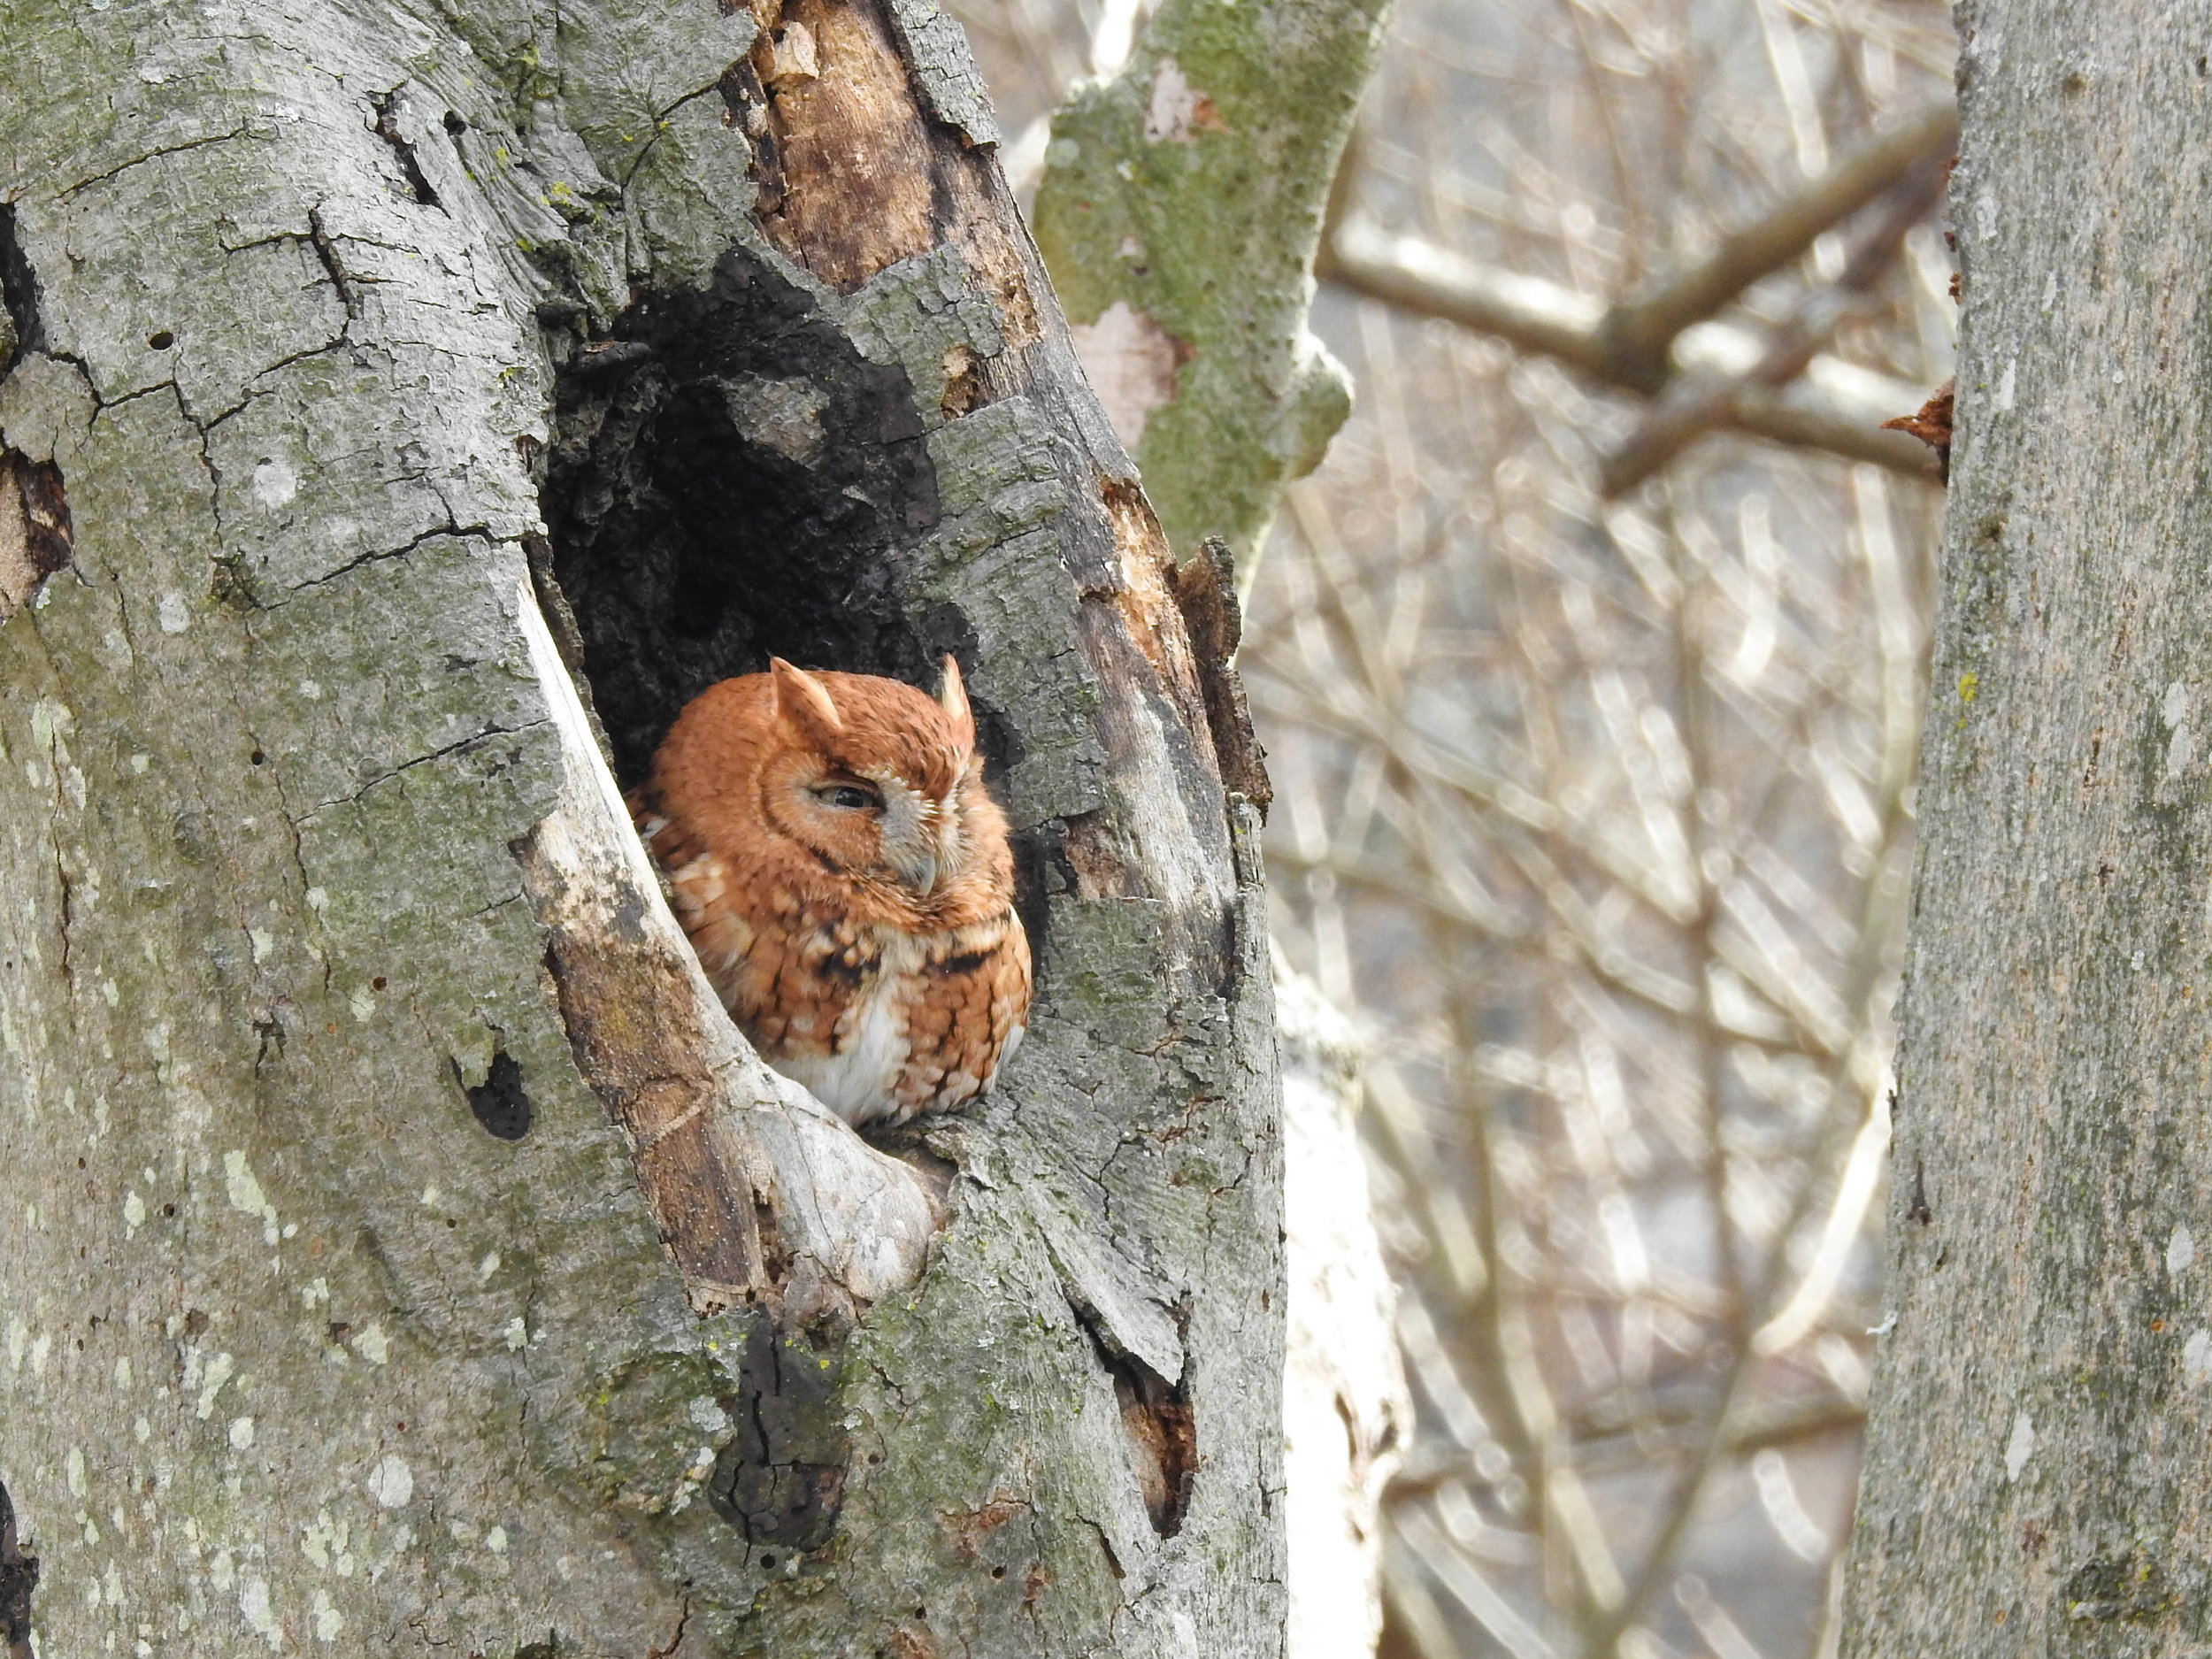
(1178, 210)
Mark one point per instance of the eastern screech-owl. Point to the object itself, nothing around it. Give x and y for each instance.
(847, 883)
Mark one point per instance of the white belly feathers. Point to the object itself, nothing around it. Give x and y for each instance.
(857, 1082)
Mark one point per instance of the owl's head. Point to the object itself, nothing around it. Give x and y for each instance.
(871, 779)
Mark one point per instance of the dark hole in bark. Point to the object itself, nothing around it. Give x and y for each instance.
(781, 1481)
(18, 1578)
(1157, 1428)
(388, 129)
(732, 481)
(18, 287)
(500, 1102)
(36, 535)
(456, 123)
(161, 340)
(550, 1648)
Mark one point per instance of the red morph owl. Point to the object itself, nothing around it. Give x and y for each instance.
(847, 883)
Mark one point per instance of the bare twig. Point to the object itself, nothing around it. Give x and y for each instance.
(1539, 315)
(1671, 426)
(1641, 331)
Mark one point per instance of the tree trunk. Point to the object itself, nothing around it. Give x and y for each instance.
(402, 1250)
(2040, 1417)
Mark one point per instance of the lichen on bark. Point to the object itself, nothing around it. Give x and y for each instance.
(1180, 207)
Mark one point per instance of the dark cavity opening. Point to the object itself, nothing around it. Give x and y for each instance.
(1157, 1428)
(19, 290)
(732, 480)
(18, 1578)
(781, 1480)
(499, 1102)
(388, 129)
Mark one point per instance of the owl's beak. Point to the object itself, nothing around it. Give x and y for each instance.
(917, 874)
(921, 839)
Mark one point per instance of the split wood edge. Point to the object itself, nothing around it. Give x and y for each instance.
(763, 1196)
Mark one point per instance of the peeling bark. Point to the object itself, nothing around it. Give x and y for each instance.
(34, 529)
(439, 402)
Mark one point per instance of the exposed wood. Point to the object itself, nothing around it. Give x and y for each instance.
(851, 153)
(1206, 593)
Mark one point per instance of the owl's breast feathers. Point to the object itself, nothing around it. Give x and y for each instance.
(880, 1020)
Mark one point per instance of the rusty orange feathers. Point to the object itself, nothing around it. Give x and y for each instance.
(847, 883)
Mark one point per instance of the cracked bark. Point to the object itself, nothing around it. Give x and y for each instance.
(403, 1248)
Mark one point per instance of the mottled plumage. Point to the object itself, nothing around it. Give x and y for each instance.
(847, 883)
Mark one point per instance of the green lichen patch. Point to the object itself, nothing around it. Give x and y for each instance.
(1190, 188)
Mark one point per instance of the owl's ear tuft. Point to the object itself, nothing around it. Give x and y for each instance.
(802, 703)
(952, 697)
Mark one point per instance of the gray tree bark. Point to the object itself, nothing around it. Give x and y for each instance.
(2040, 1421)
(406, 412)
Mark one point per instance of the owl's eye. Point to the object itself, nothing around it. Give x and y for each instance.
(851, 797)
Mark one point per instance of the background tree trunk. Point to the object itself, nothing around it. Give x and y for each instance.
(337, 1311)
(2039, 1418)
